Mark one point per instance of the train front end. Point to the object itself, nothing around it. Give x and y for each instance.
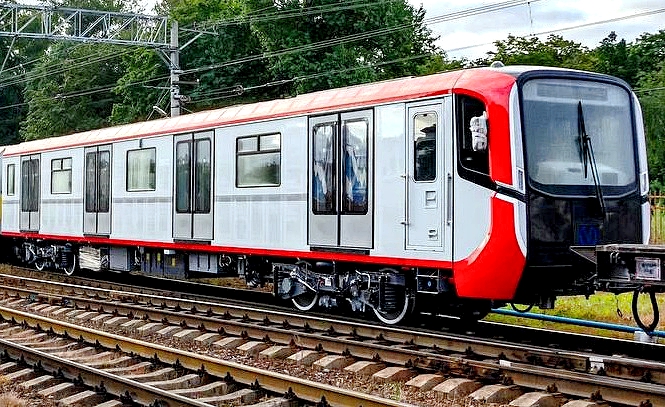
(586, 176)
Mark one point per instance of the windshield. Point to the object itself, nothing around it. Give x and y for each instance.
(555, 158)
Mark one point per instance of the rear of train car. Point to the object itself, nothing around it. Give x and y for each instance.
(446, 193)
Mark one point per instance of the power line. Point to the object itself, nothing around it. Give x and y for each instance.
(361, 36)
(82, 61)
(328, 42)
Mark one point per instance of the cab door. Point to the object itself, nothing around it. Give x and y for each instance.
(341, 213)
(429, 177)
(97, 196)
(193, 174)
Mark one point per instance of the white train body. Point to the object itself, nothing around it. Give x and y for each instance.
(356, 184)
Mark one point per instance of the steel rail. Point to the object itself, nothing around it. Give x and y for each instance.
(96, 378)
(271, 381)
(628, 392)
(444, 342)
(332, 333)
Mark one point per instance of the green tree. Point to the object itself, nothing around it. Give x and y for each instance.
(69, 89)
(651, 90)
(555, 51)
(143, 84)
(614, 57)
(341, 45)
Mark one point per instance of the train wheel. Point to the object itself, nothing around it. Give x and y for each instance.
(306, 301)
(402, 309)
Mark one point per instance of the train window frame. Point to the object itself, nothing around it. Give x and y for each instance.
(258, 146)
(11, 180)
(61, 167)
(151, 183)
(479, 172)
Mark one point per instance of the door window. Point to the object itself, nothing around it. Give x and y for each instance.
(324, 191)
(202, 177)
(424, 146)
(97, 181)
(183, 184)
(30, 185)
(354, 159)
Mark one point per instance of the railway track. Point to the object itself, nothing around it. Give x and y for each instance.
(142, 372)
(422, 362)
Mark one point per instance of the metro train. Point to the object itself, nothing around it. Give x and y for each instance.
(448, 193)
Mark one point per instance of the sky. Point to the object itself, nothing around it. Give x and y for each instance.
(539, 16)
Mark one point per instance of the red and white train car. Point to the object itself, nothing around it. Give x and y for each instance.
(449, 191)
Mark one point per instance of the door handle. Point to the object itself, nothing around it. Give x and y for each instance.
(449, 199)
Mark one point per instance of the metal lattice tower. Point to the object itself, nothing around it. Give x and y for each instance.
(43, 22)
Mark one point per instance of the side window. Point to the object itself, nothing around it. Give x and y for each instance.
(258, 160)
(474, 160)
(61, 176)
(11, 179)
(424, 146)
(141, 169)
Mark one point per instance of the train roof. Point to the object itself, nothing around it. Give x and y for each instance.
(311, 103)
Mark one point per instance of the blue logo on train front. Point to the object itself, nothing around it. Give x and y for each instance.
(588, 234)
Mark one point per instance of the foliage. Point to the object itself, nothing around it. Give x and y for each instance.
(341, 46)
(652, 98)
(61, 91)
(137, 90)
(555, 51)
(67, 90)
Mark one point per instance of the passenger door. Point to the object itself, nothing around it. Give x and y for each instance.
(340, 201)
(97, 196)
(193, 175)
(30, 192)
(429, 177)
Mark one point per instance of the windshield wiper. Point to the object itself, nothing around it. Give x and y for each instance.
(588, 156)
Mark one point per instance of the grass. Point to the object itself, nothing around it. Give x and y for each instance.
(603, 307)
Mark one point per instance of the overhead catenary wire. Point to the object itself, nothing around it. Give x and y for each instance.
(290, 50)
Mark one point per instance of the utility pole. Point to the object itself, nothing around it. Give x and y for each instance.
(174, 62)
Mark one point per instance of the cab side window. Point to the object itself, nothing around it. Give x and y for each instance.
(472, 135)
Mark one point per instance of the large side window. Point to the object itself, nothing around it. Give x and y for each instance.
(141, 169)
(474, 161)
(424, 146)
(30, 185)
(61, 176)
(258, 160)
(324, 191)
(354, 157)
(11, 179)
